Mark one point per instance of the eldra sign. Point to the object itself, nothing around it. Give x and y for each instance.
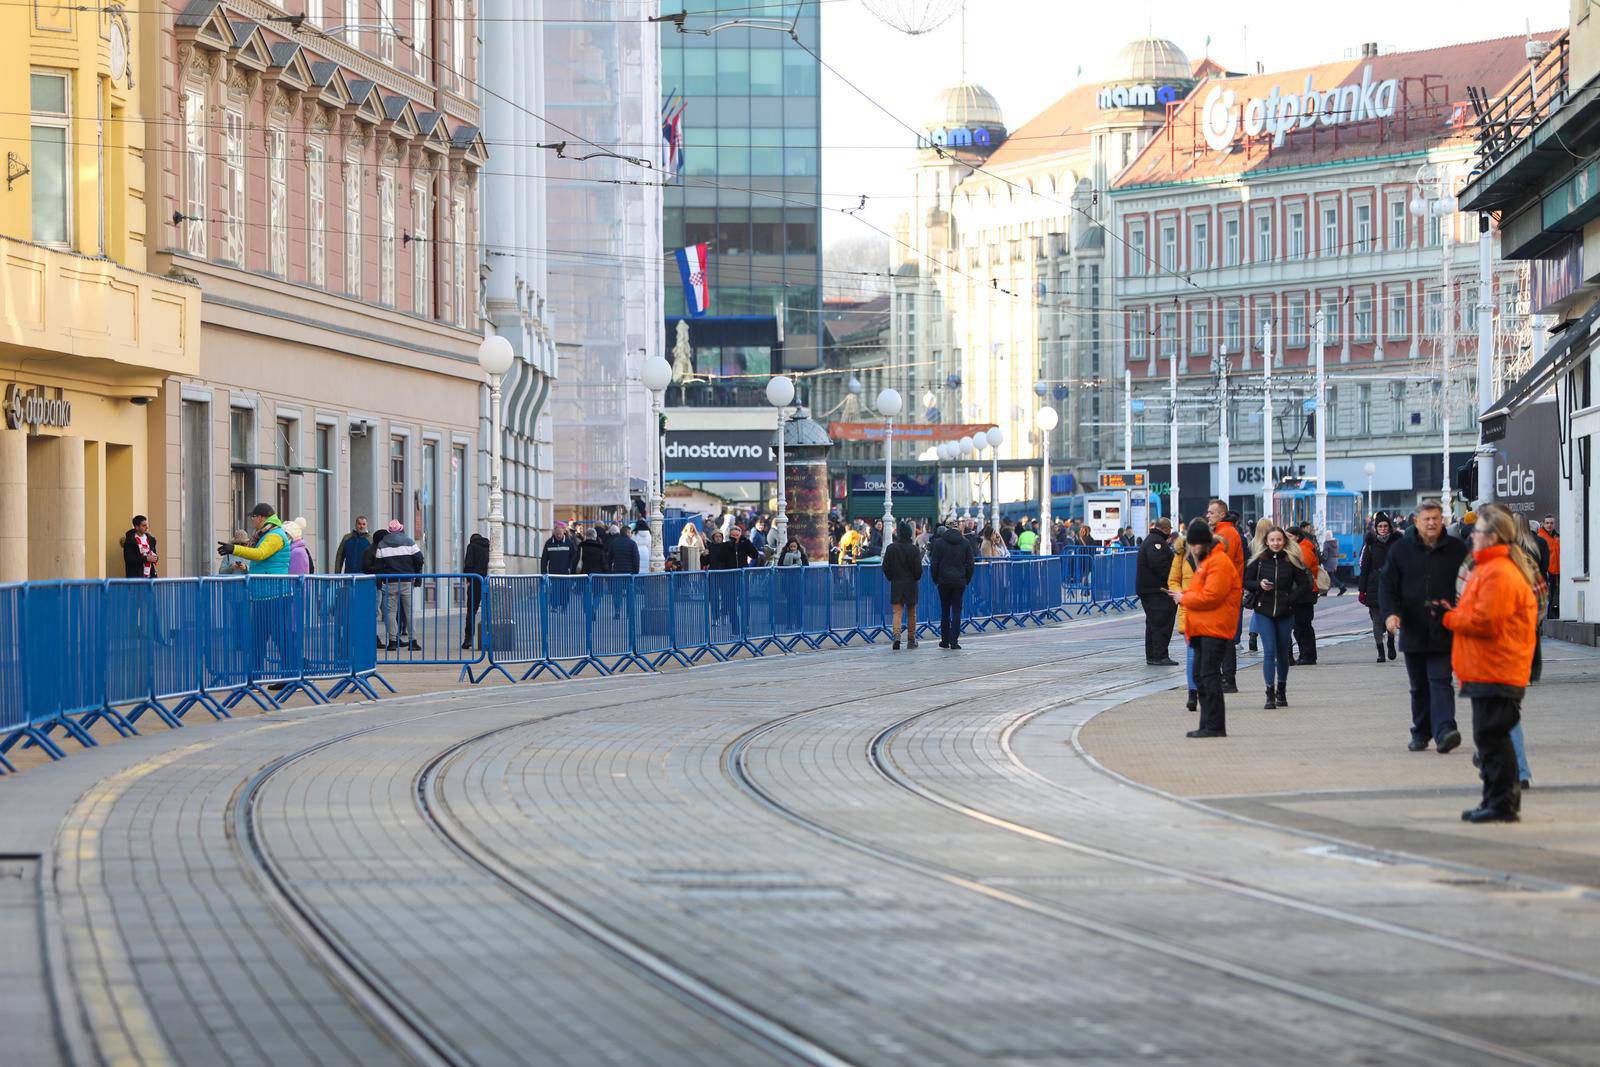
(1223, 116)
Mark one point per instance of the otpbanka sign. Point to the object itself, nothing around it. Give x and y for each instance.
(1223, 115)
(33, 410)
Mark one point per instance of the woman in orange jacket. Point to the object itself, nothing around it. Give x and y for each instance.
(1211, 619)
(1494, 624)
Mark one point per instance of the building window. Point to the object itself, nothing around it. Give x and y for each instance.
(427, 509)
(242, 456)
(1363, 410)
(458, 501)
(325, 505)
(1263, 323)
(1138, 335)
(1263, 236)
(419, 33)
(1397, 222)
(1363, 239)
(285, 458)
(1231, 326)
(1138, 261)
(1200, 253)
(352, 17)
(1230, 241)
(458, 40)
(1297, 321)
(1435, 229)
(277, 202)
(352, 224)
(1200, 329)
(1169, 333)
(421, 250)
(1435, 325)
(1330, 318)
(316, 214)
(1361, 318)
(233, 179)
(194, 147)
(194, 509)
(386, 240)
(458, 250)
(1330, 230)
(1399, 313)
(1297, 233)
(52, 158)
(397, 478)
(1169, 246)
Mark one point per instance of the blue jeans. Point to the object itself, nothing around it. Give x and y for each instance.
(1189, 660)
(1433, 697)
(1275, 637)
(1522, 754)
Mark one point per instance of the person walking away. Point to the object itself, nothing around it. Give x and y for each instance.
(902, 566)
(1493, 625)
(475, 561)
(1420, 571)
(1212, 614)
(691, 546)
(622, 557)
(951, 562)
(299, 551)
(643, 543)
(1375, 550)
(1225, 532)
(1276, 580)
(1329, 556)
(349, 556)
(1151, 571)
(139, 555)
(271, 606)
(395, 560)
(1552, 541)
(1179, 579)
(1305, 611)
(592, 555)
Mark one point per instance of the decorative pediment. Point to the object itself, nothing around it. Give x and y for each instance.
(331, 86)
(432, 132)
(249, 46)
(467, 144)
(290, 66)
(400, 117)
(204, 23)
(366, 102)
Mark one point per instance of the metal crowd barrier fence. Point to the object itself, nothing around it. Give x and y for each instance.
(1111, 582)
(75, 653)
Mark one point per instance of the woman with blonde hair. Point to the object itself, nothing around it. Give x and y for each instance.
(690, 547)
(1495, 623)
(1251, 550)
(1275, 579)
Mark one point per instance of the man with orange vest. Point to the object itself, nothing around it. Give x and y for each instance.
(1552, 578)
(1225, 531)
(1211, 607)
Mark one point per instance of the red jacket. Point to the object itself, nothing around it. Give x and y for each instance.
(1211, 606)
(1554, 544)
(1233, 544)
(1308, 552)
(1494, 621)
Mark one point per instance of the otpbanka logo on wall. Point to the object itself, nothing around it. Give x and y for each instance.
(30, 410)
(1223, 115)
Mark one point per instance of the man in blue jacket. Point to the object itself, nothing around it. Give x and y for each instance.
(347, 558)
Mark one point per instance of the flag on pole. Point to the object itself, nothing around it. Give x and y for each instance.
(672, 132)
(696, 289)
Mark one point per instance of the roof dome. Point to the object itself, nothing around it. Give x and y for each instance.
(1150, 59)
(965, 107)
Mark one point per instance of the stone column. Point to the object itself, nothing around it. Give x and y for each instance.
(55, 508)
(14, 506)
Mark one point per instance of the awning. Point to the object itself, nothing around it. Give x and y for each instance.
(1573, 340)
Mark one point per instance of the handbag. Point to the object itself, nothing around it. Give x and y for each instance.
(1324, 581)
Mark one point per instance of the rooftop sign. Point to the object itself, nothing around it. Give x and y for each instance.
(960, 137)
(1223, 115)
(1142, 96)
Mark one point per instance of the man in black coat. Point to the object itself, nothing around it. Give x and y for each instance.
(950, 559)
(139, 555)
(475, 561)
(745, 552)
(1150, 582)
(592, 555)
(1422, 569)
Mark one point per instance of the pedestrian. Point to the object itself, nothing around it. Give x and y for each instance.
(990, 546)
(1538, 551)
(395, 560)
(299, 551)
(1275, 580)
(1151, 572)
(792, 555)
(267, 559)
(691, 546)
(1212, 613)
(1179, 579)
(592, 555)
(902, 566)
(1225, 532)
(559, 554)
(475, 561)
(850, 544)
(1375, 550)
(758, 536)
(1420, 571)
(1494, 624)
(1305, 609)
(744, 550)
(1257, 541)
(873, 547)
(1028, 540)
(951, 562)
(139, 555)
(643, 543)
(231, 566)
(1552, 541)
(1330, 562)
(347, 558)
(623, 553)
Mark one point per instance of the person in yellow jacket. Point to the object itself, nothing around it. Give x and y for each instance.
(1178, 579)
(850, 545)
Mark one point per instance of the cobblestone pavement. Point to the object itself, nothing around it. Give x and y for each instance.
(859, 856)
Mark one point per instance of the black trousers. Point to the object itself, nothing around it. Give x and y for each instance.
(950, 597)
(1208, 656)
(1159, 615)
(1379, 630)
(1230, 656)
(474, 597)
(1305, 631)
(1492, 721)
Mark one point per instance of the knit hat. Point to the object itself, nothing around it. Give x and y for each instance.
(1199, 532)
(295, 528)
(1382, 516)
(395, 526)
(1469, 518)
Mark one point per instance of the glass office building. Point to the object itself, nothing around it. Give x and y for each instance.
(748, 189)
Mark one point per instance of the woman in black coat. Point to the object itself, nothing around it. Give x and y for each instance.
(1374, 555)
(1276, 581)
(902, 565)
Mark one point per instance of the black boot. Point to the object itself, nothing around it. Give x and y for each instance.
(1252, 642)
(1391, 646)
(1194, 700)
(1283, 694)
(1272, 700)
(1379, 642)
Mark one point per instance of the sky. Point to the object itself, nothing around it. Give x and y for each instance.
(1027, 53)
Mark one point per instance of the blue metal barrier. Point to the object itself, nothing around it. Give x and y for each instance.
(1111, 582)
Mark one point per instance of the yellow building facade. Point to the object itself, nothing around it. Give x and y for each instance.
(87, 337)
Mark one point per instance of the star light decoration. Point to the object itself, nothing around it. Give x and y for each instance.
(913, 16)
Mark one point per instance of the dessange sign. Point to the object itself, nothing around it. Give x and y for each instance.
(1223, 114)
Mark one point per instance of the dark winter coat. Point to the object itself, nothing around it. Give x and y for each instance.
(347, 558)
(476, 559)
(396, 554)
(624, 555)
(1414, 575)
(132, 561)
(1291, 584)
(950, 558)
(1153, 566)
(560, 555)
(592, 557)
(745, 553)
(721, 555)
(902, 565)
(1374, 555)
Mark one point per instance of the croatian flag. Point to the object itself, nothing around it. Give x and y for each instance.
(692, 268)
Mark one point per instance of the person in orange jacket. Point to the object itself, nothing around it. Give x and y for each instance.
(1494, 624)
(1225, 529)
(1552, 540)
(1211, 607)
(1305, 611)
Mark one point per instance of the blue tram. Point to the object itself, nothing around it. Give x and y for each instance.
(1296, 502)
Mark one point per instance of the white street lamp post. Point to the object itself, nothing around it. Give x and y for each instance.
(1322, 427)
(1369, 469)
(780, 394)
(1224, 475)
(1046, 420)
(657, 376)
(996, 437)
(1443, 207)
(1486, 389)
(495, 356)
(967, 445)
(1267, 480)
(888, 406)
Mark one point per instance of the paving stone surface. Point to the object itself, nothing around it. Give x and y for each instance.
(857, 856)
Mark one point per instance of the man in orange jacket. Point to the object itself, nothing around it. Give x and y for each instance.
(1305, 612)
(1211, 607)
(1226, 534)
(1552, 578)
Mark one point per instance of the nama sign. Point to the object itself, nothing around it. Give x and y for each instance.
(977, 137)
(1146, 96)
(1223, 115)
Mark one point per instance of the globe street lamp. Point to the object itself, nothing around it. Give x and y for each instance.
(966, 446)
(657, 376)
(996, 437)
(495, 356)
(1369, 469)
(780, 394)
(1047, 422)
(888, 406)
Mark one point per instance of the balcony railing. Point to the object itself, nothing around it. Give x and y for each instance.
(1506, 122)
